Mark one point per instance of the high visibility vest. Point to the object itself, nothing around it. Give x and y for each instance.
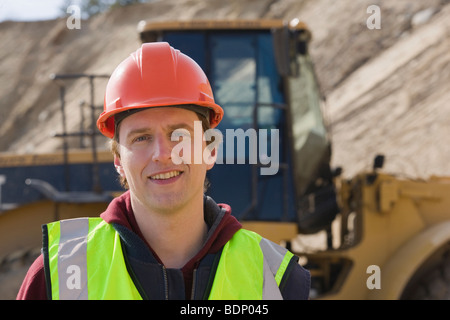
(84, 260)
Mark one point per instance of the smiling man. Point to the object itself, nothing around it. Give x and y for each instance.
(163, 238)
(167, 199)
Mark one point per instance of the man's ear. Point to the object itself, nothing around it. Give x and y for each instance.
(118, 165)
(211, 151)
(210, 156)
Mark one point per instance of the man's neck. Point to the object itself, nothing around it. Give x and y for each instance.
(176, 236)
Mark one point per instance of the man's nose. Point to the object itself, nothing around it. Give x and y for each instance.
(162, 149)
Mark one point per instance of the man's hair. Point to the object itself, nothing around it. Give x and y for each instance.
(114, 146)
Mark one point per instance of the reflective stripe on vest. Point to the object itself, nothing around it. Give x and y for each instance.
(86, 261)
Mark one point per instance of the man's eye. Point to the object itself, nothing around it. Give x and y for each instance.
(141, 138)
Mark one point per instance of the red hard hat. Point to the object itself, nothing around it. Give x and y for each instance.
(156, 75)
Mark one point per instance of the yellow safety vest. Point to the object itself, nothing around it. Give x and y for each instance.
(84, 260)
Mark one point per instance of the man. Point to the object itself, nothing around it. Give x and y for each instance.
(163, 238)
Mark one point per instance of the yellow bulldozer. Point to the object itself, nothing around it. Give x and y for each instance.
(377, 236)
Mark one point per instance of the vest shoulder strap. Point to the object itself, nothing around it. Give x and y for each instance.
(250, 267)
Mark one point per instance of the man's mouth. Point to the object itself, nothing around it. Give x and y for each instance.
(166, 175)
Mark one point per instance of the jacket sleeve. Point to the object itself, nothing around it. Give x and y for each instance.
(296, 282)
(33, 286)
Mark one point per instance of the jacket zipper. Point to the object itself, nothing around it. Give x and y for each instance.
(166, 284)
(194, 280)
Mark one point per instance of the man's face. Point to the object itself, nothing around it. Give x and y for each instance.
(145, 149)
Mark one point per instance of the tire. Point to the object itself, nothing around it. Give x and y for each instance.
(434, 285)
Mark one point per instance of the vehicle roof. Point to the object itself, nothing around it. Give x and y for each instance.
(235, 24)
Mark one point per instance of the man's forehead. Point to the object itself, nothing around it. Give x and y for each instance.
(203, 111)
(165, 119)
